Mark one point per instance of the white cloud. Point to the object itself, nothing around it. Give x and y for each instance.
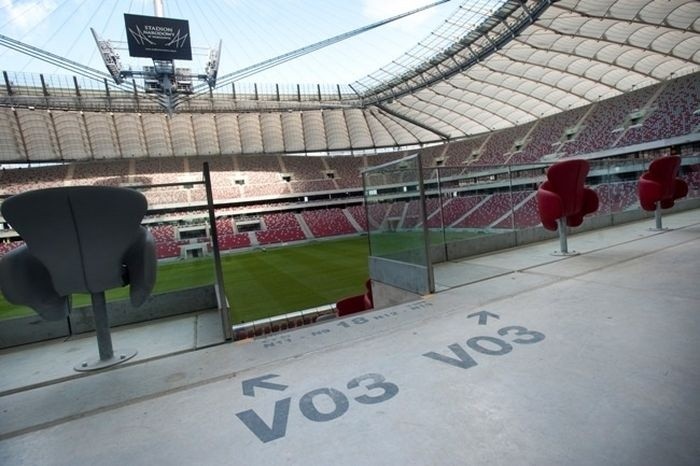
(23, 15)
(376, 10)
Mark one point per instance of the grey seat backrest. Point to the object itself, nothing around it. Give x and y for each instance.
(80, 234)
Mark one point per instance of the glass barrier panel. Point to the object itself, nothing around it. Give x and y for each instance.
(690, 173)
(615, 183)
(396, 214)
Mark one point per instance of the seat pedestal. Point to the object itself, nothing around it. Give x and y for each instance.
(107, 357)
(563, 246)
(657, 218)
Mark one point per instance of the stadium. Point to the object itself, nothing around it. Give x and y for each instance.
(323, 251)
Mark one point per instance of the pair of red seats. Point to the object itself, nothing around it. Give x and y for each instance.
(564, 199)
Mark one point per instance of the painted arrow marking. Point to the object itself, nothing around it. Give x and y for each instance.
(250, 384)
(483, 316)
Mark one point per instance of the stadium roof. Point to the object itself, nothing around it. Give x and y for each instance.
(536, 58)
(482, 70)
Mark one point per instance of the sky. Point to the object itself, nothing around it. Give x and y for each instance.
(251, 31)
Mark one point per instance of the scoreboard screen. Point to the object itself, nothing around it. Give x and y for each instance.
(158, 38)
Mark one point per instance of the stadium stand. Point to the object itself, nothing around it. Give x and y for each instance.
(491, 209)
(8, 246)
(165, 196)
(280, 228)
(617, 196)
(328, 222)
(261, 175)
(525, 214)
(347, 171)
(107, 172)
(358, 214)
(672, 113)
(668, 110)
(460, 152)
(452, 209)
(166, 241)
(19, 180)
(308, 174)
(234, 241)
(547, 136)
(412, 214)
(604, 124)
(159, 171)
(500, 145)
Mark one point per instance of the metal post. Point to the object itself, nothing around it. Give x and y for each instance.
(657, 216)
(442, 213)
(561, 226)
(104, 340)
(104, 337)
(426, 233)
(8, 86)
(512, 204)
(221, 292)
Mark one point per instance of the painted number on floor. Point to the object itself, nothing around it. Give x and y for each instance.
(490, 346)
(366, 389)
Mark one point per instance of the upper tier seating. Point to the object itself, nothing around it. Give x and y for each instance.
(600, 126)
(499, 146)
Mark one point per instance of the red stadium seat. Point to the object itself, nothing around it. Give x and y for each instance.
(563, 199)
(357, 303)
(659, 187)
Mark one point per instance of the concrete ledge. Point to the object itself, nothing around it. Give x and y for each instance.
(32, 329)
(156, 307)
(409, 277)
(23, 330)
(509, 239)
(387, 295)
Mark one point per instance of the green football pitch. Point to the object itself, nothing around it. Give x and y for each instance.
(262, 282)
(270, 281)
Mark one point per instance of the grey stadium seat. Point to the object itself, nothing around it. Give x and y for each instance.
(84, 239)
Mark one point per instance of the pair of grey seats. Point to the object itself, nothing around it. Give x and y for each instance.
(85, 239)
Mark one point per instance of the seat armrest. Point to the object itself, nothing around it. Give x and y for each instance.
(25, 281)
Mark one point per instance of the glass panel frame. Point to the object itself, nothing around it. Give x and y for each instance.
(398, 235)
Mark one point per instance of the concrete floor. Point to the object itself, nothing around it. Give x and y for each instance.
(585, 360)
